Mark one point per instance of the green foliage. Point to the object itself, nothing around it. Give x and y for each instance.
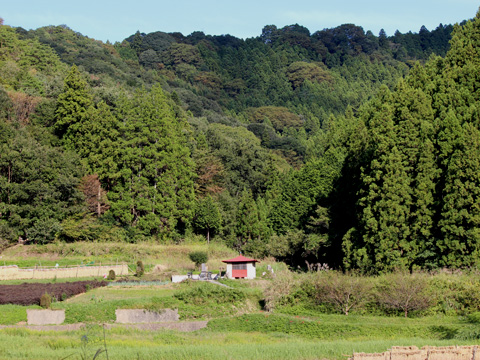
(12, 314)
(72, 105)
(46, 301)
(416, 167)
(203, 294)
(247, 164)
(198, 257)
(390, 184)
(140, 269)
(207, 216)
(38, 186)
(474, 318)
(317, 329)
(153, 189)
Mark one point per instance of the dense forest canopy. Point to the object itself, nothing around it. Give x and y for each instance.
(338, 147)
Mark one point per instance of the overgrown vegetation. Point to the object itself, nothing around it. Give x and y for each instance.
(397, 293)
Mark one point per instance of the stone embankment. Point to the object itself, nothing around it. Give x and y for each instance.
(425, 353)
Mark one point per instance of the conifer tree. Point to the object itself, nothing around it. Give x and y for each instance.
(154, 188)
(248, 226)
(460, 218)
(72, 109)
(207, 216)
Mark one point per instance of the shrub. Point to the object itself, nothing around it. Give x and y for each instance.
(198, 257)
(140, 269)
(344, 291)
(45, 301)
(279, 289)
(111, 275)
(474, 318)
(405, 292)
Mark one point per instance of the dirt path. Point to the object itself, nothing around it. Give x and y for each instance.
(186, 326)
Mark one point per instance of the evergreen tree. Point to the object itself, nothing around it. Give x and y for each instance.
(207, 216)
(154, 188)
(72, 109)
(459, 245)
(248, 225)
(38, 187)
(99, 144)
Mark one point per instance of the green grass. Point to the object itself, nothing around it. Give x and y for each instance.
(194, 300)
(119, 292)
(205, 344)
(13, 314)
(341, 327)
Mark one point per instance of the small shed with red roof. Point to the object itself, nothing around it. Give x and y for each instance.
(241, 267)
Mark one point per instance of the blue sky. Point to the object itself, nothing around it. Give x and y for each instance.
(115, 20)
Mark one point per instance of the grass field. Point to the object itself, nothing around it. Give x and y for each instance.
(203, 344)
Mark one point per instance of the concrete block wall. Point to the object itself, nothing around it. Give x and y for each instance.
(425, 353)
(45, 317)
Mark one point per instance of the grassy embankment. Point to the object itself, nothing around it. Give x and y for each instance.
(238, 328)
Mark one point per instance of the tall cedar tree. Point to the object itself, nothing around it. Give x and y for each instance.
(419, 201)
(72, 104)
(154, 188)
(207, 216)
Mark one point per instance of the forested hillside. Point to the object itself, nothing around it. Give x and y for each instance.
(336, 147)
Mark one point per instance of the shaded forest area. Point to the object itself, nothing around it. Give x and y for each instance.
(336, 147)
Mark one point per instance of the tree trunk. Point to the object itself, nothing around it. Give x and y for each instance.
(99, 198)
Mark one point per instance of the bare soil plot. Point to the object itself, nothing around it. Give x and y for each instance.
(30, 293)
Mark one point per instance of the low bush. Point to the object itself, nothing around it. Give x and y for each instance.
(140, 269)
(46, 301)
(279, 290)
(111, 275)
(417, 294)
(345, 292)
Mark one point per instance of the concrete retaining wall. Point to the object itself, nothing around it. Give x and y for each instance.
(425, 353)
(136, 316)
(45, 317)
(178, 325)
(180, 278)
(13, 272)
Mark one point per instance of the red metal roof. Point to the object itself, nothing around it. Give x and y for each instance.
(239, 259)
